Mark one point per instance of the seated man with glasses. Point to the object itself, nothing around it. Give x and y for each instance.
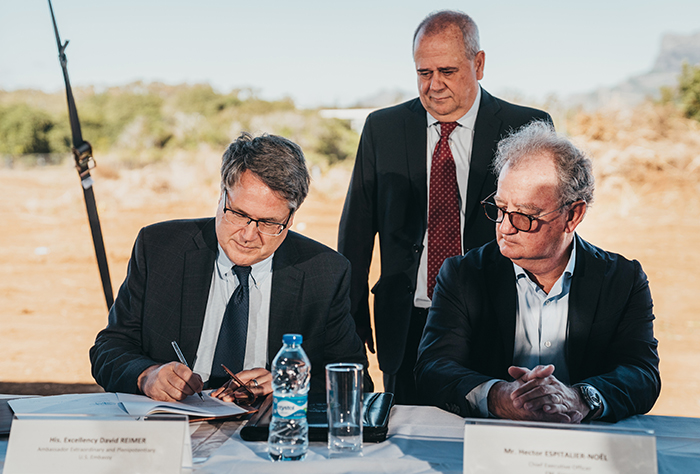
(226, 288)
(539, 324)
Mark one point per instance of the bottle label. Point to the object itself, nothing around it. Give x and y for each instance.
(290, 408)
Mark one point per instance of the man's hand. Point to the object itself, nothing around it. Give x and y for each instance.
(258, 381)
(169, 382)
(366, 337)
(542, 393)
(501, 405)
(536, 395)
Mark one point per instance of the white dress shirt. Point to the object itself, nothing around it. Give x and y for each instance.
(223, 284)
(460, 141)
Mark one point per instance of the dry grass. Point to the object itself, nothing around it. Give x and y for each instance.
(641, 145)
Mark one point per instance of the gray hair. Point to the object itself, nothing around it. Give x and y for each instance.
(279, 163)
(574, 169)
(439, 21)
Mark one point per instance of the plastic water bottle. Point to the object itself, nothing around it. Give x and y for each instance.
(291, 373)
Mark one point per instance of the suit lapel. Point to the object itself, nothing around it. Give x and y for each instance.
(585, 291)
(198, 268)
(500, 279)
(487, 129)
(287, 281)
(415, 127)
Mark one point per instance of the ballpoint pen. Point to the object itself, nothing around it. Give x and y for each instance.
(183, 361)
(241, 384)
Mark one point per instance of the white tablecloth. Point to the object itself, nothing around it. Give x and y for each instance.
(420, 440)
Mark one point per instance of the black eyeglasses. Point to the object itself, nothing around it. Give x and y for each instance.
(522, 222)
(239, 219)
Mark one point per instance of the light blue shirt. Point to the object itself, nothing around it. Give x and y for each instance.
(542, 320)
(223, 284)
(541, 324)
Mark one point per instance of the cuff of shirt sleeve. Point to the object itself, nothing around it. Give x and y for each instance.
(478, 400)
(606, 409)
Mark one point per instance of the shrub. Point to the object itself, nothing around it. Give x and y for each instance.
(689, 91)
(25, 130)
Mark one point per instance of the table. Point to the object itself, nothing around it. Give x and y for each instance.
(420, 440)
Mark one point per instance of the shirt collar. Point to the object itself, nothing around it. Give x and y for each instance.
(568, 270)
(259, 271)
(467, 120)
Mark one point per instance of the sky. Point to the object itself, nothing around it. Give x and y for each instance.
(330, 53)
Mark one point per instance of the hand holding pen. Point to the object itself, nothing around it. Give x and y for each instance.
(245, 387)
(234, 378)
(183, 361)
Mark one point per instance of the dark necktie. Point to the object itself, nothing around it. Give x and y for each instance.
(230, 347)
(443, 212)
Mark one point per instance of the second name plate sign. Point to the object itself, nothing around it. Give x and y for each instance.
(495, 446)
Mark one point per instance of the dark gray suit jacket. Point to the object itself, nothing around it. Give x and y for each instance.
(470, 333)
(388, 195)
(164, 299)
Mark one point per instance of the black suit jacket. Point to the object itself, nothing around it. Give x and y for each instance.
(164, 299)
(469, 336)
(388, 195)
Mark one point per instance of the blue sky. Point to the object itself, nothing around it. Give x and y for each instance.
(330, 52)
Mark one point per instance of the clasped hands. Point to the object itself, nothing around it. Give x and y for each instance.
(536, 395)
(174, 381)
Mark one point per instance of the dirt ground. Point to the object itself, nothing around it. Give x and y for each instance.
(51, 302)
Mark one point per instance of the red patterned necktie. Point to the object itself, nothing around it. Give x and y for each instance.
(443, 212)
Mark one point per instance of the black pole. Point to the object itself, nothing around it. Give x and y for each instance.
(84, 162)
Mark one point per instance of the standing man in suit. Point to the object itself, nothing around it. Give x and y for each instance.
(227, 288)
(421, 170)
(539, 324)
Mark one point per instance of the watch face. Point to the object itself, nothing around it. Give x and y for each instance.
(590, 396)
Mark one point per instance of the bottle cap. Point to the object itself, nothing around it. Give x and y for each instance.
(292, 339)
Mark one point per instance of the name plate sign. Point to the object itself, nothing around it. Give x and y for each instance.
(97, 445)
(494, 446)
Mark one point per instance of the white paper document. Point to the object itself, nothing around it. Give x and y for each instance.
(71, 404)
(114, 404)
(210, 407)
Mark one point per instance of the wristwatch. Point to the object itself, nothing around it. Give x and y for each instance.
(591, 397)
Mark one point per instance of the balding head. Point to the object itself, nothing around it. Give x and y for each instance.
(441, 21)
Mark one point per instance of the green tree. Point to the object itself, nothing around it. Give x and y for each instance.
(144, 123)
(336, 140)
(202, 99)
(689, 91)
(106, 116)
(24, 129)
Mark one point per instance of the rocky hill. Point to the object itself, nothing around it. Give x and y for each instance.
(675, 49)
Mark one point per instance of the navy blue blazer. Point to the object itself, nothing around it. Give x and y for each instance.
(469, 336)
(164, 299)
